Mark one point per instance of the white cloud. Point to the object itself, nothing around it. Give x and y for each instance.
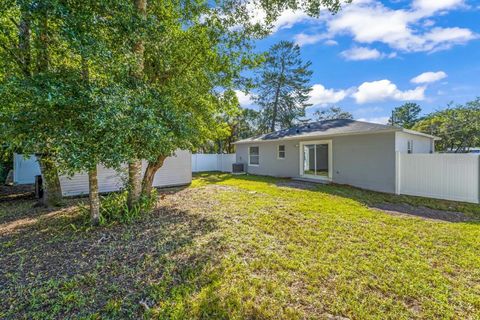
(362, 53)
(436, 5)
(290, 17)
(331, 42)
(245, 100)
(322, 96)
(286, 20)
(382, 90)
(369, 21)
(429, 77)
(304, 39)
(380, 120)
(445, 38)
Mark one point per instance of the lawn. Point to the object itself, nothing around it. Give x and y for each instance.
(244, 247)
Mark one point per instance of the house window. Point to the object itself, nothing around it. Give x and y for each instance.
(410, 146)
(254, 156)
(281, 152)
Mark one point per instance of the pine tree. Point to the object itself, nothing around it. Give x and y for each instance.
(332, 113)
(406, 115)
(283, 89)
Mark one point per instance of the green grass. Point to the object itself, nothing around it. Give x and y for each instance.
(246, 247)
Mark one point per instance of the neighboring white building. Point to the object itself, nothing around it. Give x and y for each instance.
(176, 170)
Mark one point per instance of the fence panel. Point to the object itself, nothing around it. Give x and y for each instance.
(212, 162)
(442, 176)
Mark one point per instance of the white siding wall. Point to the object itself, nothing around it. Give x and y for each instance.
(175, 171)
(108, 180)
(420, 144)
(212, 162)
(442, 176)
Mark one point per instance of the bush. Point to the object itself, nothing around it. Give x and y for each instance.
(113, 208)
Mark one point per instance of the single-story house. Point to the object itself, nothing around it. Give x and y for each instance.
(356, 153)
(176, 171)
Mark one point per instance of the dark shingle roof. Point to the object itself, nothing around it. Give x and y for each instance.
(324, 128)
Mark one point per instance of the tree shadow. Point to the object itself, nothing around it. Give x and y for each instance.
(436, 209)
(54, 267)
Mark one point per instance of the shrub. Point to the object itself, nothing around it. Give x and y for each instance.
(113, 207)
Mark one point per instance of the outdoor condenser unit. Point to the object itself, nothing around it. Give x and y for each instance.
(237, 168)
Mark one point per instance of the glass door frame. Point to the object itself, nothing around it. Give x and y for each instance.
(330, 158)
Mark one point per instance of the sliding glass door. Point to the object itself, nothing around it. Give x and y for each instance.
(316, 159)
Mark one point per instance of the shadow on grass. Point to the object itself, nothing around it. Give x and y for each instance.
(52, 268)
(445, 210)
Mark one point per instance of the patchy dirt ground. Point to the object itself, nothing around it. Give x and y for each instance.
(241, 247)
(424, 212)
(51, 246)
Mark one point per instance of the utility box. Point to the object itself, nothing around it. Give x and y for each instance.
(238, 168)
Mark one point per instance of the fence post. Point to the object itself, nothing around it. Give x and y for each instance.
(478, 180)
(398, 160)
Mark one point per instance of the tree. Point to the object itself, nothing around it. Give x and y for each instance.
(457, 126)
(283, 89)
(21, 72)
(406, 115)
(332, 113)
(243, 124)
(87, 82)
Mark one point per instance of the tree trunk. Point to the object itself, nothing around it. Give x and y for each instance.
(92, 173)
(135, 183)
(24, 42)
(43, 56)
(275, 108)
(94, 197)
(52, 191)
(277, 95)
(135, 167)
(149, 175)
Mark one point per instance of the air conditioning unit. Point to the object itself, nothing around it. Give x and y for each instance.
(238, 168)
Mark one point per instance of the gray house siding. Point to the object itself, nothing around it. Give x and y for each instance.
(270, 165)
(366, 161)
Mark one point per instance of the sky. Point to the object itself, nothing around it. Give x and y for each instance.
(373, 55)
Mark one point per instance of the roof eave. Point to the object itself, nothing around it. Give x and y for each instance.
(421, 134)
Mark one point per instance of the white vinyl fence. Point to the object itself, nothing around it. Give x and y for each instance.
(442, 176)
(212, 162)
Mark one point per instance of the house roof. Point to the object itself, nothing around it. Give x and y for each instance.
(329, 128)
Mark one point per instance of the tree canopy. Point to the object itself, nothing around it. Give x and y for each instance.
(282, 86)
(332, 113)
(457, 126)
(89, 82)
(406, 115)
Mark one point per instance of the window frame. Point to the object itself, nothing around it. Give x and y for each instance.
(284, 152)
(250, 164)
(330, 159)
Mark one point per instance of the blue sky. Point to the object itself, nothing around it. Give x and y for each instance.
(375, 55)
